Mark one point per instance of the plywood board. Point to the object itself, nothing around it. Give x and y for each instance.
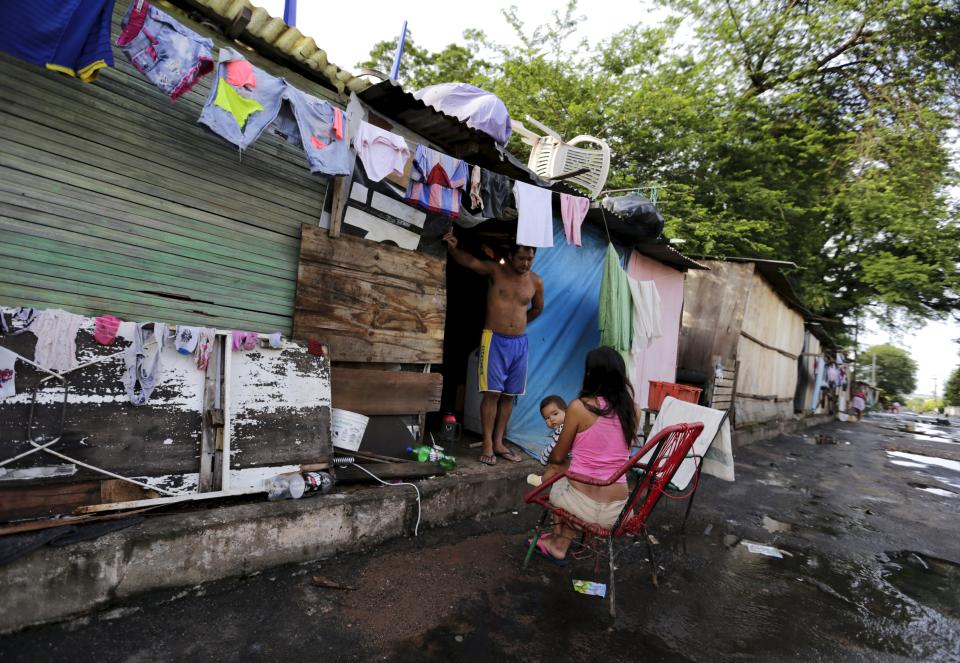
(713, 309)
(372, 392)
(368, 301)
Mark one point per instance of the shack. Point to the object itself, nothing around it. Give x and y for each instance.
(742, 338)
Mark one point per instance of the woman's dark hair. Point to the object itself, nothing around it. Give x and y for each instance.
(553, 399)
(605, 375)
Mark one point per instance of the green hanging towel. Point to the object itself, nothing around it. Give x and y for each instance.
(616, 306)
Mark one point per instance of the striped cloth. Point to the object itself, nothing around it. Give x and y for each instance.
(436, 181)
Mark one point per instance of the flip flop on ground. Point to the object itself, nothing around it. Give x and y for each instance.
(508, 455)
(541, 550)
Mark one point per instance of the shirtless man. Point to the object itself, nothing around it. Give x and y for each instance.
(514, 298)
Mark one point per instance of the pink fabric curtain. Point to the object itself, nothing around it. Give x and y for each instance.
(659, 361)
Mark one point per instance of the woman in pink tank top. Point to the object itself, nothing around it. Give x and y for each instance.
(596, 432)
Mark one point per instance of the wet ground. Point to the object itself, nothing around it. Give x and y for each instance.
(864, 516)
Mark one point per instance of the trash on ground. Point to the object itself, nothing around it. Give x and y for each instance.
(760, 549)
(329, 583)
(590, 588)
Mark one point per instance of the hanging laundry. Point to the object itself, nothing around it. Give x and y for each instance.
(56, 332)
(646, 314)
(8, 374)
(242, 340)
(240, 114)
(276, 340)
(240, 74)
(204, 346)
(142, 360)
(68, 36)
(616, 323)
(573, 209)
(476, 176)
(239, 107)
(535, 209)
(380, 151)
(169, 55)
(25, 315)
(186, 338)
(436, 181)
(105, 329)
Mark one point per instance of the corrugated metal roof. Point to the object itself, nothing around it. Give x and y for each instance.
(450, 134)
(661, 251)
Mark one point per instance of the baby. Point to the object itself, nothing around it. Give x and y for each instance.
(553, 410)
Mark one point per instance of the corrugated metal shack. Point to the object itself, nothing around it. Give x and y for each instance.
(743, 331)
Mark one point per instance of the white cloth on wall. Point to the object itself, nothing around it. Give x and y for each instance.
(56, 332)
(535, 210)
(646, 314)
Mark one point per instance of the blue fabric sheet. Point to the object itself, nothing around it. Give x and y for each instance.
(563, 334)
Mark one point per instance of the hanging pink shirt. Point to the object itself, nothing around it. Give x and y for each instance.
(573, 209)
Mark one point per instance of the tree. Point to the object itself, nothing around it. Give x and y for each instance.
(896, 370)
(951, 390)
(812, 132)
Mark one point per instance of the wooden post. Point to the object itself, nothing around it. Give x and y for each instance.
(211, 405)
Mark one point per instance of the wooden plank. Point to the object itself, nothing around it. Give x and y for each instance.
(785, 353)
(371, 259)
(45, 297)
(135, 299)
(212, 404)
(116, 490)
(372, 392)
(372, 346)
(341, 192)
(50, 499)
(147, 174)
(54, 269)
(161, 501)
(390, 471)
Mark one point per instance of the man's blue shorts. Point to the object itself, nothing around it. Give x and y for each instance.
(503, 363)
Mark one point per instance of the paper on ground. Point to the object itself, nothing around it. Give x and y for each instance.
(591, 588)
(759, 549)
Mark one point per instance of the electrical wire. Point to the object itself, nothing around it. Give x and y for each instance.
(416, 527)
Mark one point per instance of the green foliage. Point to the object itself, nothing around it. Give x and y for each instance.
(924, 405)
(811, 132)
(951, 390)
(896, 369)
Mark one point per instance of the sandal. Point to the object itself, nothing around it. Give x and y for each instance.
(508, 455)
(488, 460)
(541, 549)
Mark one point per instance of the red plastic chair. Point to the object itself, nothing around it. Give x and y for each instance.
(670, 446)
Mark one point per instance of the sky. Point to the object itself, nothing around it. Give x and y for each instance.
(433, 29)
(932, 347)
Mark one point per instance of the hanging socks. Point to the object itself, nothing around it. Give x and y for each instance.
(105, 329)
(186, 339)
(142, 359)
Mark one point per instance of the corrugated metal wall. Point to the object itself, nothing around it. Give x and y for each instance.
(114, 200)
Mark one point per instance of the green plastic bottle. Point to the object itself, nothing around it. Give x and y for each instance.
(427, 454)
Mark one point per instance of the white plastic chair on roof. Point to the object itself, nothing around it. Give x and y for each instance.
(551, 157)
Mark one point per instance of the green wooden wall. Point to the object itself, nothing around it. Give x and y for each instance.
(114, 200)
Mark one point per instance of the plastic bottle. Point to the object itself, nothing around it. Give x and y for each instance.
(285, 486)
(318, 481)
(427, 454)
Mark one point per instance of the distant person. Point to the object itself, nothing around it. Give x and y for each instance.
(896, 407)
(597, 432)
(858, 403)
(553, 409)
(514, 298)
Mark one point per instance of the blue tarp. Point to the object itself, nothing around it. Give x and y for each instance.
(563, 334)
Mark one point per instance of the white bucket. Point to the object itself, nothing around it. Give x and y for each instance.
(347, 429)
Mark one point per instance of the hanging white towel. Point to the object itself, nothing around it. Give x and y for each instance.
(646, 314)
(535, 210)
(56, 332)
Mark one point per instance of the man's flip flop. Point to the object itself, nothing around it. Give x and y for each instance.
(508, 455)
(488, 460)
(541, 550)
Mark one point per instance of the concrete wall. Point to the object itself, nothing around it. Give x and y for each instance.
(183, 550)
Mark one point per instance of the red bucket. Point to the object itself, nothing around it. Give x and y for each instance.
(660, 390)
